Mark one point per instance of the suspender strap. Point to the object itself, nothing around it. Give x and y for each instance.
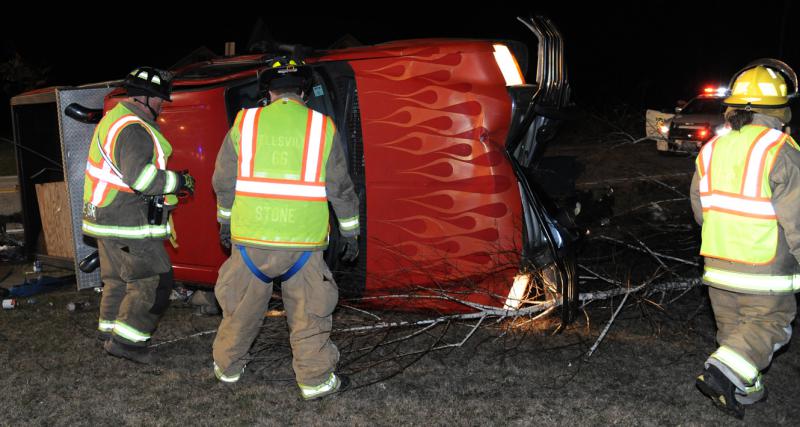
(266, 279)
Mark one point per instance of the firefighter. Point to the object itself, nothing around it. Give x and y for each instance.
(128, 194)
(745, 194)
(278, 168)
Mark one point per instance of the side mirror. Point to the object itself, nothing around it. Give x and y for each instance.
(83, 114)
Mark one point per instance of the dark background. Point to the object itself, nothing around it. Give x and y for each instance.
(637, 54)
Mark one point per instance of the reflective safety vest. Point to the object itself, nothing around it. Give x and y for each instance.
(280, 199)
(103, 181)
(739, 221)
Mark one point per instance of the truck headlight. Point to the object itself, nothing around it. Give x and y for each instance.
(508, 65)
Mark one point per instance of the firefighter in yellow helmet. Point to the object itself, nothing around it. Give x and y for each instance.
(128, 194)
(276, 171)
(745, 194)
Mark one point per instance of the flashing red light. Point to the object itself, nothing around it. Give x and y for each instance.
(709, 90)
(703, 133)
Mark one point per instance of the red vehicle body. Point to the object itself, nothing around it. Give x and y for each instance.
(448, 216)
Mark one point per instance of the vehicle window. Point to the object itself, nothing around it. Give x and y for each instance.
(703, 106)
(244, 95)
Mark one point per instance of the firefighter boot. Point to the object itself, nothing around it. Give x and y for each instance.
(134, 354)
(227, 379)
(334, 384)
(714, 384)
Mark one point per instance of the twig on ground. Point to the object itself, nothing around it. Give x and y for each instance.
(636, 248)
(608, 326)
(199, 334)
(667, 186)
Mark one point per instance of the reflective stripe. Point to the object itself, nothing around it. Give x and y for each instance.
(117, 127)
(141, 232)
(705, 160)
(224, 378)
(760, 282)
(106, 325)
(299, 191)
(224, 213)
(734, 204)
(314, 144)
(292, 244)
(757, 386)
(753, 172)
(129, 333)
(737, 363)
(145, 178)
(113, 132)
(247, 142)
(172, 182)
(349, 223)
(99, 195)
(310, 392)
(105, 174)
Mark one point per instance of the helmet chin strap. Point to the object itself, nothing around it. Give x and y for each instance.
(147, 104)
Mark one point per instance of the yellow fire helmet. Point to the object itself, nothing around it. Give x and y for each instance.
(761, 84)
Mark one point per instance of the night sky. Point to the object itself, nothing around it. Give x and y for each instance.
(641, 54)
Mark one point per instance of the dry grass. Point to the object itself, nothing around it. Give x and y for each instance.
(54, 373)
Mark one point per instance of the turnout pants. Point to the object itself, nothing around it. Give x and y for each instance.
(309, 297)
(750, 328)
(137, 277)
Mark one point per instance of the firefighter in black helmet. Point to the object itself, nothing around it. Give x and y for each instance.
(128, 196)
(278, 168)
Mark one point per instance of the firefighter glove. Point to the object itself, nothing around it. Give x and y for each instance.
(350, 249)
(186, 184)
(225, 235)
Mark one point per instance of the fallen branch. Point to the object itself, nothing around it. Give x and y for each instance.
(199, 334)
(667, 186)
(467, 316)
(637, 248)
(608, 326)
(531, 310)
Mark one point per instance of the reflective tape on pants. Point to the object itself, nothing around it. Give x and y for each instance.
(737, 363)
(106, 325)
(130, 333)
(312, 391)
(752, 282)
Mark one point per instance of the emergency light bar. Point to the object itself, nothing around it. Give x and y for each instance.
(718, 91)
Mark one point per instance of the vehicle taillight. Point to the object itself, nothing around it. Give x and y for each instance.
(508, 65)
(702, 133)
